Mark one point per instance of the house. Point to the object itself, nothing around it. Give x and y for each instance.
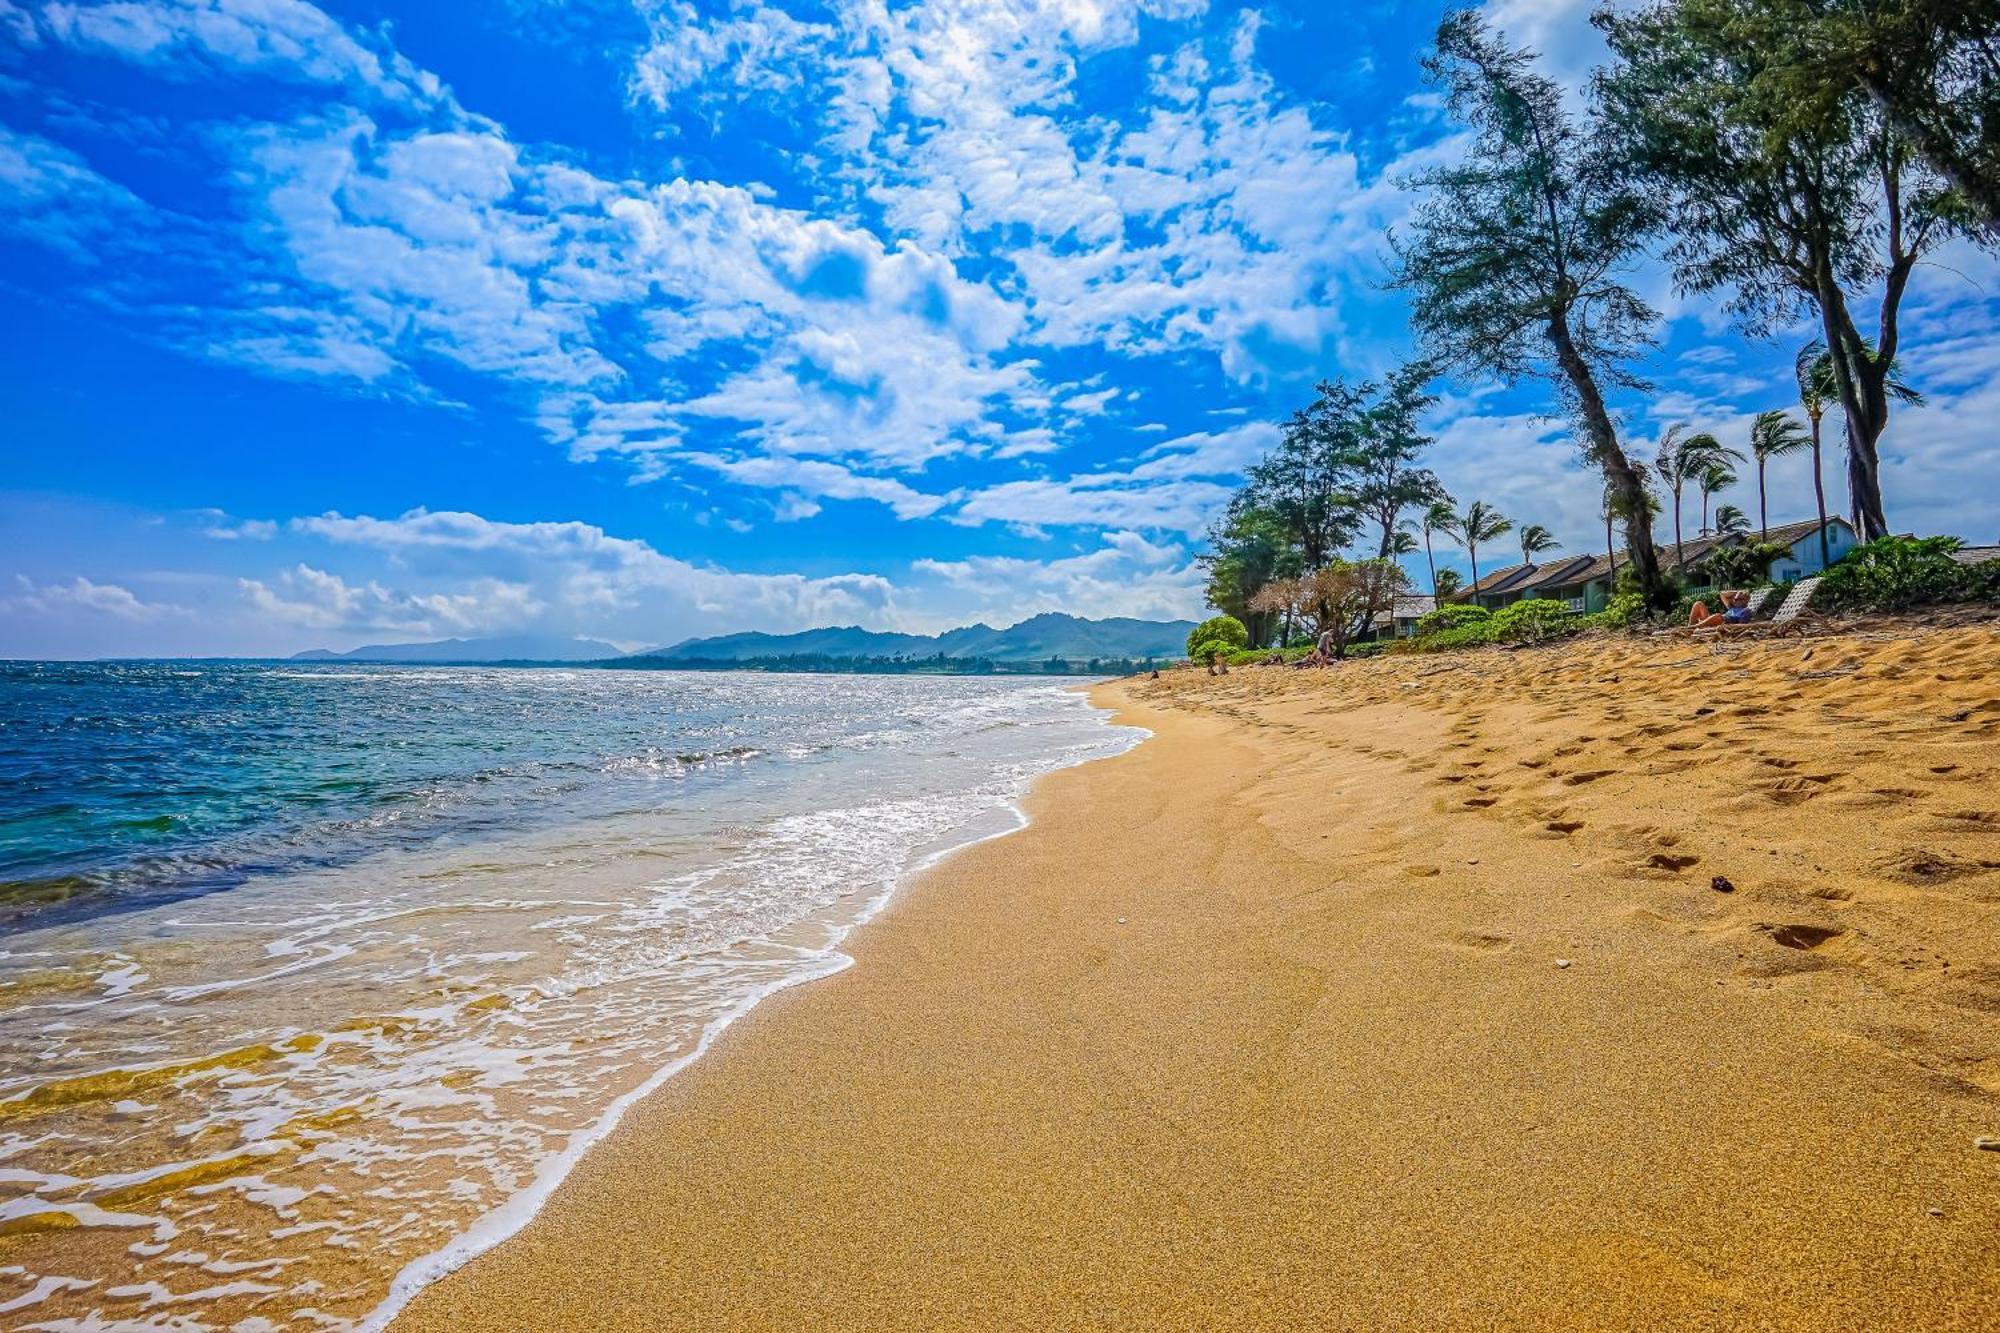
(1402, 621)
(1586, 582)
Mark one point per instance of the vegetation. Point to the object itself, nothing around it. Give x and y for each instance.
(1893, 573)
(1215, 638)
(1515, 262)
(1743, 566)
(1793, 199)
(1537, 540)
(1791, 156)
(1481, 522)
(1772, 435)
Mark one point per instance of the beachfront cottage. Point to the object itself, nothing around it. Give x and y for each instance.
(1402, 622)
(1585, 583)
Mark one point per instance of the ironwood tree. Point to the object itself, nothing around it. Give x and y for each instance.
(1515, 260)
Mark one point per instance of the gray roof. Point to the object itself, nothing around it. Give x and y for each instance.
(1586, 569)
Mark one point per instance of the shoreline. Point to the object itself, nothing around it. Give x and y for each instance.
(1334, 1070)
(496, 1228)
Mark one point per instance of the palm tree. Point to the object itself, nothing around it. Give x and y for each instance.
(1448, 582)
(1715, 476)
(1401, 543)
(1481, 522)
(1439, 517)
(1682, 459)
(1731, 521)
(1536, 539)
(1813, 369)
(1667, 462)
(1772, 435)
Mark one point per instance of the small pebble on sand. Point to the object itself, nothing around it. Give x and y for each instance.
(1121, 920)
(1721, 884)
(1937, 1212)
(1986, 1143)
(1562, 962)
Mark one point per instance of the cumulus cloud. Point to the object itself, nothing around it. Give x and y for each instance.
(1128, 576)
(80, 594)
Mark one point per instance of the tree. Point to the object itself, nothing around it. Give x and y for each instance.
(1347, 595)
(1214, 639)
(1444, 586)
(1670, 464)
(1248, 547)
(1814, 371)
(1438, 517)
(1817, 381)
(1536, 539)
(1731, 521)
(1685, 458)
(1480, 522)
(1386, 447)
(1928, 68)
(1792, 203)
(1306, 484)
(1714, 476)
(1772, 435)
(1515, 259)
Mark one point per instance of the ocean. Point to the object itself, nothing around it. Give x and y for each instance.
(314, 980)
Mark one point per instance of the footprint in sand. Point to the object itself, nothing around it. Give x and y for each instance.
(1673, 861)
(1802, 935)
(1564, 826)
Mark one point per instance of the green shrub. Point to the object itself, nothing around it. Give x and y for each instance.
(1216, 636)
(1895, 572)
(1619, 612)
(1451, 617)
(1534, 620)
(1470, 635)
(1744, 566)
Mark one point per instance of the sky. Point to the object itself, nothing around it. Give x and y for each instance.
(333, 324)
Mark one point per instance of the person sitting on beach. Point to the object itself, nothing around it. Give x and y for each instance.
(1735, 611)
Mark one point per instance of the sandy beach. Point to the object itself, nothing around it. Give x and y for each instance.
(1635, 984)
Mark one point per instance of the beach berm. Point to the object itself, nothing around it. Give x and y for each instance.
(1264, 1024)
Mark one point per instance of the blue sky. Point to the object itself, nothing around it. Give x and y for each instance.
(372, 321)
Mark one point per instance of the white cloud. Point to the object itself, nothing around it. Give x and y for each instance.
(1128, 576)
(286, 39)
(82, 594)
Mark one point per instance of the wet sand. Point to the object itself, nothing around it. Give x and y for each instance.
(1267, 1024)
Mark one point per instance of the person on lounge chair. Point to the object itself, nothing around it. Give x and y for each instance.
(1735, 610)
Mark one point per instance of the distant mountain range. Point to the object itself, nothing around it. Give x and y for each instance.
(504, 648)
(1071, 638)
(1036, 640)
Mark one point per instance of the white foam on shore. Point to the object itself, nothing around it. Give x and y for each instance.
(511, 1217)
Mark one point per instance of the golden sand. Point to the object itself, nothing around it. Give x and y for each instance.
(1268, 1024)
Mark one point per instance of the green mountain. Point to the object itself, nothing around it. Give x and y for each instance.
(1036, 640)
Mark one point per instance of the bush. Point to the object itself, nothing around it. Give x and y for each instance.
(1895, 572)
(1534, 620)
(1745, 565)
(1470, 635)
(1216, 636)
(1619, 612)
(1451, 617)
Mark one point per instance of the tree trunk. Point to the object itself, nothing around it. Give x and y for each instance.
(1618, 470)
(1680, 546)
(1864, 402)
(1763, 515)
(1819, 499)
(1472, 549)
(1431, 560)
